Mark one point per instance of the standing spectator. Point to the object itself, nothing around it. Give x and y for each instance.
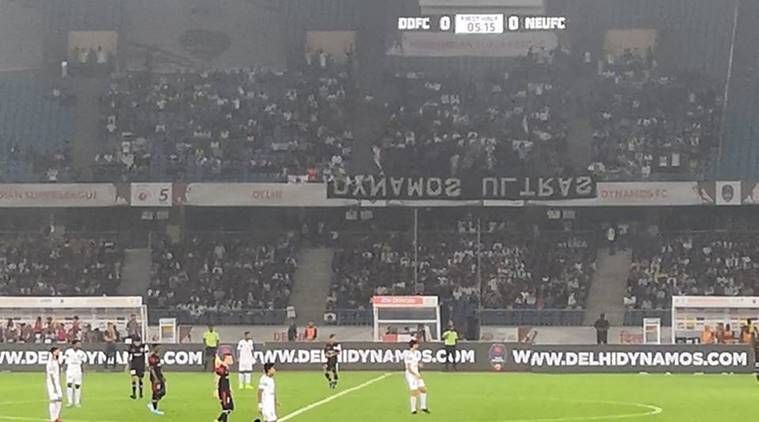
(60, 333)
(211, 342)
(292, 332)
(109, 337)
(611, 236)
(602, 330)
(133, 327)
(38, 328)
(450, 340)
(311, 332)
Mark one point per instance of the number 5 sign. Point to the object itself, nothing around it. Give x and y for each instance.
(151, 195)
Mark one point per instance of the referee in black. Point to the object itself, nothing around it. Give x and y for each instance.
(450, 340)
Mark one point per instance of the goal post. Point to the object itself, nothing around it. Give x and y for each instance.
(397, 318)
(94, 311)
(690, 314)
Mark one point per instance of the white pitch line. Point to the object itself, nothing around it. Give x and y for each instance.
(333, 397)
(652, 411)
(21, 418)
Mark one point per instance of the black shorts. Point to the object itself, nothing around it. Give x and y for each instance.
(331, 365)
(225, 399)
(137, 370)
(159, 390)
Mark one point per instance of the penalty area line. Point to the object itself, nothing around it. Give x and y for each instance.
(333, 397)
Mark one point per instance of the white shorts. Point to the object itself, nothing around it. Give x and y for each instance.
(413, 382)
(245, 366)
(74, 377)
(54, 393)
(269, 413)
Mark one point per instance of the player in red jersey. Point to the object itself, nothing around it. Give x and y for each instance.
(157, 380)
(223, 388)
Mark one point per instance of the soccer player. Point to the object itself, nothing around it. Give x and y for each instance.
(331, 351)
(267, 395)
(245, 361)
(417, 388)
(74, 358)
(53, 380)
(224, 389)
(157, 380)
(137, 353)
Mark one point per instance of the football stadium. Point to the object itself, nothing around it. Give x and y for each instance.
(379, 210)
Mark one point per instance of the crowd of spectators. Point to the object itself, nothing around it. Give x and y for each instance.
(72, 265)
(264, 125)
(514, 122)
(369, 264)
(693, 264)
(222, 273)
(648, 124)
(250, 124)
(51, 330)
(553, 272)
(505, 270)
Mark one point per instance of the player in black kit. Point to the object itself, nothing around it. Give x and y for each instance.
(331, 351)
(157, 380)
(224, 389)
(137, 352)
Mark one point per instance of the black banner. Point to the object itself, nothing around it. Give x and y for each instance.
(469, 357)
(454, 188)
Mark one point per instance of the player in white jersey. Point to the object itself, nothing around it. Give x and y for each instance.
(416, 386)
(74, 358)
(245, 361)
(53, 381)
(267, 394)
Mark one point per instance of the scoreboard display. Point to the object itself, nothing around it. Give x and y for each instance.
(481, 24)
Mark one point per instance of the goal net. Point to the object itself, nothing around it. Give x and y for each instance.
(20, 316)
(399, 318)
(691, 314)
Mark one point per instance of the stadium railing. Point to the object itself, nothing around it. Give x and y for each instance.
(349, 317)
(634, 317)
(540, 317)
(245, 317)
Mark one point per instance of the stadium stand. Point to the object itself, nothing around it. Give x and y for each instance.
(649, 124)
(694, 264)
(453, 120)
(36, 126)
(229, 277)
(241, 125)
(38, 265)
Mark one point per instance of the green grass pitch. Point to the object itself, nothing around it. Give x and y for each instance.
(469, 397)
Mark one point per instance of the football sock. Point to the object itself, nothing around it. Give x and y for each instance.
(70, 394)
(423, 400)
(51, 409)
(77, 394)
(413, 403)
